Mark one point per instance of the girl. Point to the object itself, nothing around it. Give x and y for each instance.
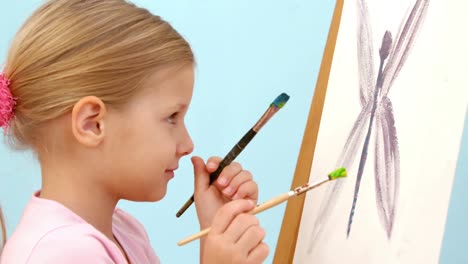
(98, 89)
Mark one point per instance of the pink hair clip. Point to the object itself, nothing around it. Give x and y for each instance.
(7, 102)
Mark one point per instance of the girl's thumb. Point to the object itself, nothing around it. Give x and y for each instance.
(202, 177)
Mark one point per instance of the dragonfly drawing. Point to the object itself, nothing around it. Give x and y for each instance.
(376, 119)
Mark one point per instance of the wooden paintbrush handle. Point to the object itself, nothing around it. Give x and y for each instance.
(271, 203)
(260, 208)
(198, 235)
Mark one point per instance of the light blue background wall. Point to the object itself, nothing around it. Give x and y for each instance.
(247, 52)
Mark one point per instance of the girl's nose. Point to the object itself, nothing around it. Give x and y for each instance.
(186, 146)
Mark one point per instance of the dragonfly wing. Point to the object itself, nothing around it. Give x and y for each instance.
(365, 52)
(355, 137)
(346, 160)
(387, 165)
(403, 43)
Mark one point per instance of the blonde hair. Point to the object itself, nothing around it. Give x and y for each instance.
(69, 49)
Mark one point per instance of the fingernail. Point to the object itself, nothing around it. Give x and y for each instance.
(228, 191)
(222, 181)
(211, 165)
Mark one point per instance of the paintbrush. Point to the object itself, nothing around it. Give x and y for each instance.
(274, 107)
(336, 174)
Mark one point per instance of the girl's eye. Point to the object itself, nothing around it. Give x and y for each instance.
(172, 119)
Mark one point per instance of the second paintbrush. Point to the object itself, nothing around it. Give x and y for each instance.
(274, 107)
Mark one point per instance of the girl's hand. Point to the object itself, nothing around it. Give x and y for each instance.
(233, 183)
(235, 236)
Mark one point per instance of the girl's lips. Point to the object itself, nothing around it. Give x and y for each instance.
(170, 173)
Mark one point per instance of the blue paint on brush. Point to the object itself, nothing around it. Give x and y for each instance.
(281, 100)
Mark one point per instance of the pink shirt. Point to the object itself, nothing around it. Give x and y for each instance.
(51, 233)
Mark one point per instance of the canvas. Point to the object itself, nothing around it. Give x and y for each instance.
(394, 120)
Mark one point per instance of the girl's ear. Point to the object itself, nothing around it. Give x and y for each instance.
(88, 121)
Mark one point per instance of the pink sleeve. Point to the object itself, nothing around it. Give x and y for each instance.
(63, 247)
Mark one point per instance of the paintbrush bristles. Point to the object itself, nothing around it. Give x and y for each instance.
(281, 100)
(274, 107)
(338, 173)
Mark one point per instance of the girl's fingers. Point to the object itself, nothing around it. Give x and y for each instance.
(239, 226)
(242, 177)
(258, 254)
(247, 190)
(227, 213)
(228, 173)
(213, 163)
(252, 237)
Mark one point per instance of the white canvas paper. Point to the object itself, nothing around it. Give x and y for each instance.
(398, 217)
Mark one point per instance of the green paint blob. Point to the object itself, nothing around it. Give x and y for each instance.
(338, 173)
